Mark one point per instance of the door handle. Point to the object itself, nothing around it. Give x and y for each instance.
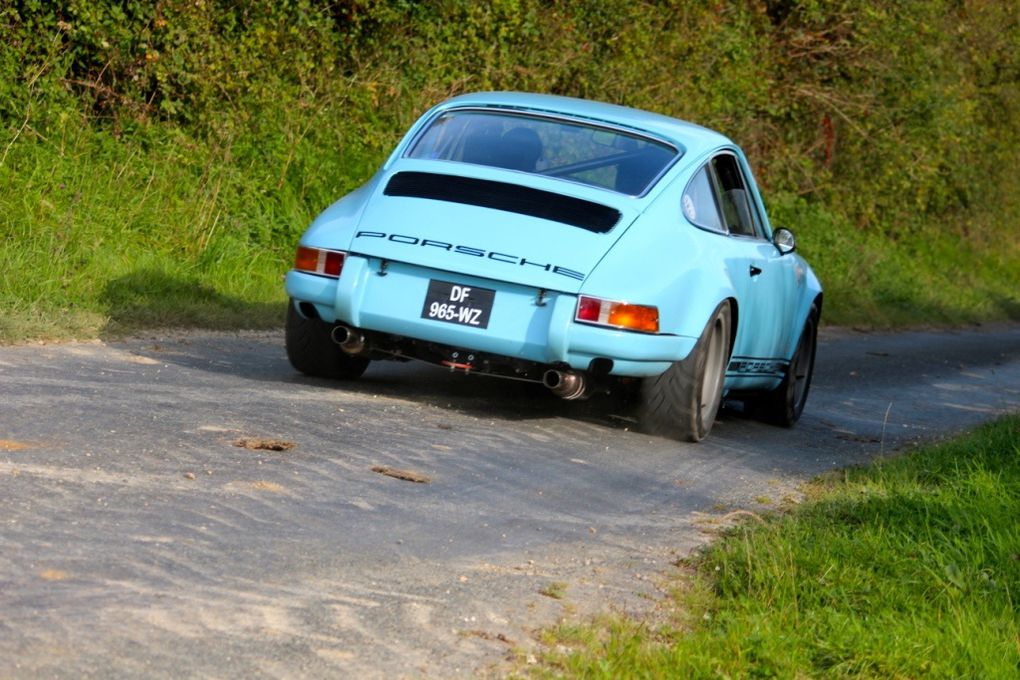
(755, 271)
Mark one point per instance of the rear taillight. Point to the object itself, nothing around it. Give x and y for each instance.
(319, 261)
(617, 314)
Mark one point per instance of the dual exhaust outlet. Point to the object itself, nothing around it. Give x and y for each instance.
(564, 384)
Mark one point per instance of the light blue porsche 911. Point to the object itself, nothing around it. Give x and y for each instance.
(580, 245)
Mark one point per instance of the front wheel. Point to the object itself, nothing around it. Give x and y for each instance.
(312, 351)
(682, 402)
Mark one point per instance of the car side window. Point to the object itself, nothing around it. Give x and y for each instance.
(699, 205)
(734, 198)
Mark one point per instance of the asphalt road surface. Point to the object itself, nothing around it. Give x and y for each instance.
(141, 535)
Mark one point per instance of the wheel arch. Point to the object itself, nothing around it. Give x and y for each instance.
(807, 304)
(734, 322)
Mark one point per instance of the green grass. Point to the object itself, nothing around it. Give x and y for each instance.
(555, 590)
(106, 234)
(102, 235)
(936, 276)
(907, 568)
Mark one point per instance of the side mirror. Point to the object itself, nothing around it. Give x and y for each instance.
(784, 240)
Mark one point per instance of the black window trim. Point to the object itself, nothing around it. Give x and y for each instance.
(752, 206)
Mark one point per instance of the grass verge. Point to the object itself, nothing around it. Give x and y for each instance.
(102, 235)
(906, 568)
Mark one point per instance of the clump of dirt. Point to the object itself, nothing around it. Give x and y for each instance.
(406, 475)
(258, 444)
(485, 635)
(273, 487)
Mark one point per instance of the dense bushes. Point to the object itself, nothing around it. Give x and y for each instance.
(884, 132)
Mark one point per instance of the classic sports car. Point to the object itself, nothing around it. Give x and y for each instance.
(581, 245)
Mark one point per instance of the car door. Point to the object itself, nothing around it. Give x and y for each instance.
(762, 277)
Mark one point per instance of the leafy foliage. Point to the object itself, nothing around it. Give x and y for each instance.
(887, 128)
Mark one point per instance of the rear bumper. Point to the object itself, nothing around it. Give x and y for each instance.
(522, 325)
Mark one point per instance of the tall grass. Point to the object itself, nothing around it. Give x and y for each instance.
(104, 233)
(108, 230)
(964, 269)
(907, 568)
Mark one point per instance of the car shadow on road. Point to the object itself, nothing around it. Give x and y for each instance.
(261, 357)
(479, 395)
(152, 298)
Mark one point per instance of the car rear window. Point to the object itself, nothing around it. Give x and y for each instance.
(598, 156)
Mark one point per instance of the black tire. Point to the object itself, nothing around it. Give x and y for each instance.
(784, 405)
(311, 350)
(682, 402)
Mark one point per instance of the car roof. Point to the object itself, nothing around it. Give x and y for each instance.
(692, 138)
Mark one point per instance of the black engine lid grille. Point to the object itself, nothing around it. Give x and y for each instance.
(513, 198)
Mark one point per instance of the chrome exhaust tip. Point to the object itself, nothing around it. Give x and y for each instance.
(566, 384)
(351, 340)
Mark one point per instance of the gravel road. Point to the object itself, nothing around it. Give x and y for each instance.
(149, 529)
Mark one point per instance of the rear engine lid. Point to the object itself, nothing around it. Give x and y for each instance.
(490, 228)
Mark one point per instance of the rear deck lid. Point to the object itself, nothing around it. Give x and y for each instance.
(490, 226)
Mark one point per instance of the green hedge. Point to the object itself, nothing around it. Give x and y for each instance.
(884, 133)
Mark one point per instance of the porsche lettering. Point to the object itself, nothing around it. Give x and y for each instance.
(505, 258)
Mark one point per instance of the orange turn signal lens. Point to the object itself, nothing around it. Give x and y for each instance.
(635, 317)
(318, 261)
(307, 259)
(617, 314)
